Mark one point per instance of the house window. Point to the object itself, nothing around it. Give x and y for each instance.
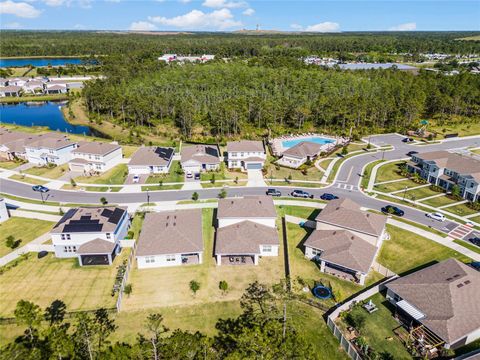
(149, 259)
(242, 154)
(70, 249)
(68, 237)
(98, 167)
(233, 154)
(109, 236)
(316, 252)
(267, 248)
(97, 157)
(170, 258)
(62, 236)
(51, 151)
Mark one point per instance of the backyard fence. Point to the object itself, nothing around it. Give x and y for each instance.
(68, 315)
(125, 277)
(345, 344)
(383, 270)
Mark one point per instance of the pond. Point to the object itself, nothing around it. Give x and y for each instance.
(39, 62)
(47, 114)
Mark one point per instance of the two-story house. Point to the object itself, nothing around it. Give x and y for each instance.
(95, 157)
(92, 234)
(12, 144)
(346, 240)
(446, 169)
(50, 148)
(246, 230)
(246, 155)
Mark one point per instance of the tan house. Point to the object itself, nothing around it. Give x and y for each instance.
(197, 158)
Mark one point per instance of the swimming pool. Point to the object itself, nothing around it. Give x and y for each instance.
(316, 139)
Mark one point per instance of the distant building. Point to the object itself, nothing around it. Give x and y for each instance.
(168, 58)
(10, 91)
(151, 160)
(95, 156)
(246, 155)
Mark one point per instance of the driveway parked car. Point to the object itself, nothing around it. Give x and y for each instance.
(135, 179)
(274, 192)
(189, 175)
(475, 240)
(301, 193)
(40, 188)
(197, 176)
(407, 140)
(327, 196)
(410, 153)
(436, 216)
(393, 210)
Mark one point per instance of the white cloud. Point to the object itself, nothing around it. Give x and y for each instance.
(222, 4)
(404, 27)
(182, 1)
(248, 12)
(326, 26)
(20, 9)
(196, 19)
(142, 26)
(55, 2)
(12, 25)
(296, 27)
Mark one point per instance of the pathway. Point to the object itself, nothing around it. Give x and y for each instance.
(24, 249)
(35, 215)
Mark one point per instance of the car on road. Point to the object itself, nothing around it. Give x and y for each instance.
(273, 192)
(410, 153)
(436, 216)
(301, 193)
(327, 196)
(40, 188)
(189, 175)
(135, 179)
(393, 210)
(475, 240)
(407, 140)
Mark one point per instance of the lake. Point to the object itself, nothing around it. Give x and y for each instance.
(40, 114)
(39, 62)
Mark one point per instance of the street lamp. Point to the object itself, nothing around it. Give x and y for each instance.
(41, 194)
(148, 198)
(383, 155)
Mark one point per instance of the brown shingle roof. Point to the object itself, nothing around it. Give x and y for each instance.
(247, 207)
(303, 149)
(452, 161)
(204, 154)
(346, 213)
(96, 148)
(244, 238)
(49, 141)
(11, 88)
(343, 248)
(96, 246)
(152, 155)
(447, 293)
(171, 232)
(245, 145)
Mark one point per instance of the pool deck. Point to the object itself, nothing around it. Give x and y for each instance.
(278, 148)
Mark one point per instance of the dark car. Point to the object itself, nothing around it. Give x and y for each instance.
(301, 193)
(390, 209)
(40, 188)
(407, 140)
(327, 196)
(475, 240)
(410, 153)
(197, 176)
(274, 192)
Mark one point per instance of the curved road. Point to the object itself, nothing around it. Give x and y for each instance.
(345, 184)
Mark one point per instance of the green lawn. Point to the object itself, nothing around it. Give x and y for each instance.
(324, 163)
(406, 251)
(114, 176)
(367, 172)
(468, 245)
(389, 172)
(128, 150)
(9, 165)
(173, 176)
(475, 219)
(394, 186)
(163, 187)
(21, 229)
(379, 328)
(223, 174)
(45, 280)
(299, 211)
(419, 193)
(222, 184)
(439, 201)
(285, 173)
(293, 183)
(28, 180)
(51, 173)
(460, 210)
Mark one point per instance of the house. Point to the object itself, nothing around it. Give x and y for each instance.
(446, 170)
(10, 91)
(12, 144)
(170, 238)
(199, 158)
(94, 156)
(151, 160)
(246, 230)
(33, 87)
(440, 302)
(300, 153)
(51, 89)
(3, 82)
(18, 81)
(4, 214)
(346, 240)
(168, 58)
(246, 154)
(50, 148)
(92, 234)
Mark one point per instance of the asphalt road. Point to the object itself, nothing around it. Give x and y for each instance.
(346, 184)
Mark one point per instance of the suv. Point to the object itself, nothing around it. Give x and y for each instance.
(327, 196)
(436, 216)
(390, 209)
(301, 193)
(274, 192)
(135, 179)
(40, 188)
(410, 153)
(475, 240)
(407, 140)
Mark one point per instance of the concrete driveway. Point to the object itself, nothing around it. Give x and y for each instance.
(142, 179)
(255, 178)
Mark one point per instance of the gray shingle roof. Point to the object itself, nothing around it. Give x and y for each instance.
(96, 246)
(245, 145)
(204, 154)
(246, 207)
(152, 155)
(456, 162)
(303, 149)
(96, 148)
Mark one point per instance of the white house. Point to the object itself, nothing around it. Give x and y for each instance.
(151, 160)
(92, 234)
(246, 154)
(55, 88)
(12, 143)
(10, 90)
(49, 148)
(246, 230)
(4, 215)
(168, 58)
(18, 81)
(170, 238)
(95, 157)
(199, 158)
(300, 153)
(33, 87)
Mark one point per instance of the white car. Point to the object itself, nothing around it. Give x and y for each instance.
(189, 175)
(136, 179)
(437, 216)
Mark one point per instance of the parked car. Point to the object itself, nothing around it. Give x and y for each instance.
(436, 216)
(327, 196)
(475, 240)
(40, 188)
(136, 179)
(189, 175)
(407, 140)
(197, 176)
(273, 192)
(301, 193)
(410, 153)
(390, 209)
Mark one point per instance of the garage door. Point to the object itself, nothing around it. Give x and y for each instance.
(77, 168)
(254, 166)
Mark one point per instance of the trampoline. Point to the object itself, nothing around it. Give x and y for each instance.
(322, 292)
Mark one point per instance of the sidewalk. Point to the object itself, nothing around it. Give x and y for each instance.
(24, 249)
(35, 215)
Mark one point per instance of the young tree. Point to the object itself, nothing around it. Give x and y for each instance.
(128, 289)
(223, 285)
(155, 328)
(212, 179)
(103, 201)
(194, 286)
(72, 182)
(195, 196)
(344, 150)
(11, 242)
(29, 314)
(222, 194)
(256, 298)
(456, 191)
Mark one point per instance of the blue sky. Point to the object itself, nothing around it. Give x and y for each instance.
(229, 15)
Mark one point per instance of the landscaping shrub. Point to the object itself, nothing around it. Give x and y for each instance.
(474, 205)
(436, 188)
(356, 320)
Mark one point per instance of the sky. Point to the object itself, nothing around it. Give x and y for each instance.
(230, 15)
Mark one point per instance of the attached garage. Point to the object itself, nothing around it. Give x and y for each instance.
(97, 252)
(77, 165)
(254, 166)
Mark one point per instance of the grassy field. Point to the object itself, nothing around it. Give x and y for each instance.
(460, 210)
(475, 218)
(44, 171)
(462, 126)
(406, 251)
(299, 211)
(128, 150)
(9, 164)
(468, 245)
(223, 184)
(28, 180)
(114, 176)
(163, 187)
(164, 287)
(439, 201)
(47, 279)
(388, 172)
(395, 186)
(284, 173)
(21, 229)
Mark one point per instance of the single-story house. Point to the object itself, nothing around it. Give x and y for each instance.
(259, 209)
(151, 160)
(440, 302)
(92, 156)
(199, 158)
(55, 88)
(33, 86)
(246, 155)
(170, 238)
(11, 90)
(300, 153)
